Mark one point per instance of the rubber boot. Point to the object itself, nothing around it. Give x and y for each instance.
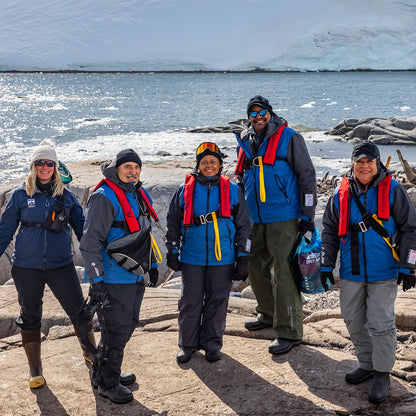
(31, 345)
(87, 354)
(380, 388)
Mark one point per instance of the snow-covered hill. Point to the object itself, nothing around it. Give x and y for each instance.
(153, 35)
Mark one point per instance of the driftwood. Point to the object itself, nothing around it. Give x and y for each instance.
(411, 177)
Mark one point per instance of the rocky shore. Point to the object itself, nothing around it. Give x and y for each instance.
(247, 381)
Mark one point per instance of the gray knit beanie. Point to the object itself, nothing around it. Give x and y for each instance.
(45, 150)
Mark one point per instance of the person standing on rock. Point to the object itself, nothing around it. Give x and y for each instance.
(208, 240)
(279, 182)
(367, 214)
(118, 219)
(43, 209)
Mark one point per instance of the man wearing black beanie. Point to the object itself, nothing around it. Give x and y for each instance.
(119, 209)
(278, 177)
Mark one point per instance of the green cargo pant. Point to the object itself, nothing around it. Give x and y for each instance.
(278, 300)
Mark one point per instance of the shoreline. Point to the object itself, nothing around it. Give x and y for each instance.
(201, 71)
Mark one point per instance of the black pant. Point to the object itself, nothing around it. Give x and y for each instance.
(118, 322)
(30, 285)
(203, 305)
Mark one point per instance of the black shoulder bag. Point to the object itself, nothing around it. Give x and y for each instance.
(58, 216)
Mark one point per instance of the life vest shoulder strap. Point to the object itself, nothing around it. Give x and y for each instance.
(344, 207)
(188, 196)
(148, 205)
(270, 155)
(239, 166)
(225, 204)
(383, 194)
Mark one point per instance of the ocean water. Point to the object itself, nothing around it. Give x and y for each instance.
(93, 116)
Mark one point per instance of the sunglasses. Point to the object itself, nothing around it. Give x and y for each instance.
(207, 145)
(48, 163)
(254, 113)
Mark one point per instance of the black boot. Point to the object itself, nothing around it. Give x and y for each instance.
(31, 345)
(117, 394)
(358, 375)
(380, 388)
(125, 379)
(184, 354)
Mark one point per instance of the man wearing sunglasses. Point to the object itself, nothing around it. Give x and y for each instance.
(279, 182)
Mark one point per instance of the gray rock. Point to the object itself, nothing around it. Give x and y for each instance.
(397, 130)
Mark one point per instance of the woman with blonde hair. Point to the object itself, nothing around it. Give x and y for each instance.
(43, 209)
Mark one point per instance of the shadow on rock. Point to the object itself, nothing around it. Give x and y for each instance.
(48, 403)
(246, 393)
(325, 378)
(105, 407)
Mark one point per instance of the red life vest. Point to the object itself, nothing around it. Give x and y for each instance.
(128, 213)
(383, 208)
(188, 195)
(270, 155)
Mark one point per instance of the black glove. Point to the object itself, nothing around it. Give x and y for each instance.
(409, 280)
(98, 294)
(305, 226)
(241, 268)
(324, 277)
(172, 261)
(153, 277)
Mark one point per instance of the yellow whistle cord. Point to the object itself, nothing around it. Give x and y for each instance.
(155, 248)
(261, 179)
(217, 237)
(387, 240)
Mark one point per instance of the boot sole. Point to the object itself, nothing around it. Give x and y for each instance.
(127, 400)
(284, 351)
(374, 400)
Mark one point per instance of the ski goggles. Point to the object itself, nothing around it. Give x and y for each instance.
(255, 113)
(48, 163)
(207, 145)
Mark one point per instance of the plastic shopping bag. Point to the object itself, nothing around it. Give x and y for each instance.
(307, 264)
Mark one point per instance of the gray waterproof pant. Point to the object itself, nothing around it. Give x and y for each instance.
(368, 312)
(203, 305)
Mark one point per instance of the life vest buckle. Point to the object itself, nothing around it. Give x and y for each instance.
(207, 218)
(255, 161)
(362, 226)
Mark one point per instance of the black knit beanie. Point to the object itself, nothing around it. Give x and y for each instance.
(127, 155)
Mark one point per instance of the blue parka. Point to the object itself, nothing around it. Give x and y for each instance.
(35, 247)
(290, 183)
(103, 210)
(375, 258)
(197, 242)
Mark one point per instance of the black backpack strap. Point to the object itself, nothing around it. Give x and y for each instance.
(368, 220)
